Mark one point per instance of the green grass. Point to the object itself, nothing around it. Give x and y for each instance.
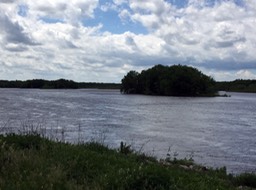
(33, 162)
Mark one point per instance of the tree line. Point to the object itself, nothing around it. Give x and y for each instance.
(55, 84)
(176, 80)
(157, 80)
(238, 85)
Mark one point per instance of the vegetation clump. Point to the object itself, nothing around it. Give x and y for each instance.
(237, 86)
(32, 162)
(56, 84)
(176, 80)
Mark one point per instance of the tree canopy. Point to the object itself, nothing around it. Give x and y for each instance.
(238, 85)
(56, 84)
(176, 80)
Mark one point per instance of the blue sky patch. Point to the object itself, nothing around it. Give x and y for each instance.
(110, 20)
(178, 3)
(112, 23)
(210, 3)
(51, 20)
(22, 10)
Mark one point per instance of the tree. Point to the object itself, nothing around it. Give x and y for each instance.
(176, 80)
(130, 83)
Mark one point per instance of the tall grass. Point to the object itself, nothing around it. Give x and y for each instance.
(30, 161)
(37, 157)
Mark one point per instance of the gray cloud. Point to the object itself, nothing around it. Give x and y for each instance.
(67, 44)
(229, 65)
(14, 32)
(227, 43)
(15, 48)
(219, 39)
(7, 1)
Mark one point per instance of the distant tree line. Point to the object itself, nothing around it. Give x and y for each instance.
(99, 85)
(237, 86)
(177, 80)
(162, 80)
(55, 84)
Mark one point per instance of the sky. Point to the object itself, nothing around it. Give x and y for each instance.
(101, 40)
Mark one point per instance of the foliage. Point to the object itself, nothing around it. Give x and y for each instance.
(237, 86)
(246, 179)
(130, 83)
(125, 149)
(177, 80)
(56, 84)
(99, 85)
(33, 162)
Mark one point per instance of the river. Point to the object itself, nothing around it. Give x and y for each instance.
(215, 132)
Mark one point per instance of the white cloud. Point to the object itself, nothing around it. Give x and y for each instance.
(109, 6)
(219, 38)
(245, 74)
(120, 2)
(124, 15)
(68, 11)
(200, 32)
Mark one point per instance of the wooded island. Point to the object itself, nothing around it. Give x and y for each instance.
(176, 80)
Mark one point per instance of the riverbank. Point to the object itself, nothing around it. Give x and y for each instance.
(33, 162)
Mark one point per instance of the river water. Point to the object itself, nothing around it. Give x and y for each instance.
(215, 131)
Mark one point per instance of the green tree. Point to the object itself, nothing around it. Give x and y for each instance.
(176, 80)
(130, 83)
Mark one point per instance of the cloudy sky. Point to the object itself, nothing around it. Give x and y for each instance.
(101, 40)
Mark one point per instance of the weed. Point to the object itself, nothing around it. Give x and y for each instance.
(245, 179)
(32, 162)
(125, 149)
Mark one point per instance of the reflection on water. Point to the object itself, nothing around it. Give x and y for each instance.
(215, 131)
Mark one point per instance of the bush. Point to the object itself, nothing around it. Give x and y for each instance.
(246, 179)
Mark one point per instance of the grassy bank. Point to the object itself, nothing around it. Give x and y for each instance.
(33, 162)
